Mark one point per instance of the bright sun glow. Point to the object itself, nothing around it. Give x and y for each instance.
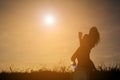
(49, 19)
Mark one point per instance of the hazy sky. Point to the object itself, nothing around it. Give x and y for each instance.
(26, 40)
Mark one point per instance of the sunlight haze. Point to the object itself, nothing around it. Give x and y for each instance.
(26, 41)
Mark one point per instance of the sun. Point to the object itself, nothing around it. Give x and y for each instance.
(49, 19)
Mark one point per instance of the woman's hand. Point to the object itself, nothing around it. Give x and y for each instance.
(80, 34)
(74, 65)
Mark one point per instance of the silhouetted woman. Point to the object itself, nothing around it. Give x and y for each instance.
(82, 54)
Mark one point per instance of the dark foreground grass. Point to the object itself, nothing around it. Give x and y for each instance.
(103, 74)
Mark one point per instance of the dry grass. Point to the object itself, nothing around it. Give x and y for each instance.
(63, 73)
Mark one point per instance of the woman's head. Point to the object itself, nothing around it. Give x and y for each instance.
(94, 36)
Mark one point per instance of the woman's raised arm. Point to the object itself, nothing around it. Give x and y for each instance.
(80, 37)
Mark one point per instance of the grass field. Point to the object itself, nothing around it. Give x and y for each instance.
(101, 74)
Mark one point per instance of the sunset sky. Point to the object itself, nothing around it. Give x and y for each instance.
(27, 40)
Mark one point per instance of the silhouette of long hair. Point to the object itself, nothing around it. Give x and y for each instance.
(94, 37)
